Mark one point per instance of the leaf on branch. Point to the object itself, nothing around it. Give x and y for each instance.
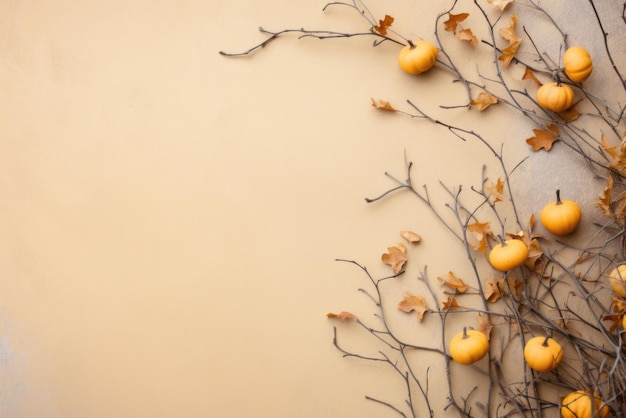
(617, 153)
(411, 237)
(383, 25)
(395, 257)
(343, 315)
(453, 21)
(500, 3)
(383, 105)
(604, 202)
(450, 304)
(508, 33)
(619, 307)
(571, 113)
(544, 139)
(497, 190)
(453, 282)
(484, 324)
(496, 288)
(467, 35)
(412, 303)
(480, 231)
(535, 256)
(492, 290)
(484, 100)
(529, 75)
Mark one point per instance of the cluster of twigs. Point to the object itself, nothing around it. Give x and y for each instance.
(563, 292)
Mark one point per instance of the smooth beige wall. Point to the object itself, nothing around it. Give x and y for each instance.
(169, 218)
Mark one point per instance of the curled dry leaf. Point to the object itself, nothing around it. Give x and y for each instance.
(484, 324)
(480, 231)
(544, 138)
(529, 75)
(483, 101)
(383, 105)
(467, 35)
(411, 237)
(412, 303)
(496, 288)
(604, 202)
(617, 154)
(500, 3)
(508, 33)
(496, 190)
(619, 308)
(450, 304)
(383, 25)
(343, 315)
(571, 113)
(395, 257)
(453, 282)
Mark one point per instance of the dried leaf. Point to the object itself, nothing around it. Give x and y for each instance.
(532, 222)
(467, 35)
(570, 114)
(413, 303)
(619, 305)
(497, 190)
(480, 231)
(544, 139)
(618, 154)
(529, 75)
(508, 33)
(453, 282)
(383, 105)
(484, 100)
(395, 257)
(500, 3)
(535, 254)
(343, 315)
(491, 290)
(411, 237)
(450, 304)
(453, 21)
(484, 324)
(605, 198)
(383, 25)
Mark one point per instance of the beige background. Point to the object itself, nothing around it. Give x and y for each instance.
(169, 217)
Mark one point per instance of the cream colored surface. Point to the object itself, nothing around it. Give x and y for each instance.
(169, 218)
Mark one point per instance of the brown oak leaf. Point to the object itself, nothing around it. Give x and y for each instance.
(411, 237)
(544, 138)
(383, 105)
(383, 25)
(453, 21)
(453, 282)
(617, 154)
(412, 303)
(395, 257)
(604, 202)
(484, 100)
(491, 291)
(343, 315)
(480, 231)
(508, 33)
(571, 113)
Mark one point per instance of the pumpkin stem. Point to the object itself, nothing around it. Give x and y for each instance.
(465, 336)
(558, 197)
(545, 342)
(411, 44)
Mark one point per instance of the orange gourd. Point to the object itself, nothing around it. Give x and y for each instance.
(577, 64)
(418, 57)
(555, 96)
(543, 354)
(616, 280)
(561, 217)
(469, 346)
(582, 404)
(508, 255)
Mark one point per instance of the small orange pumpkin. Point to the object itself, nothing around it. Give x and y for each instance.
(508, 255)
(417, 57)
(583, 404)
(577, 63)
(469, 346)
(555, 96)
(561, 217)
(543, 354)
